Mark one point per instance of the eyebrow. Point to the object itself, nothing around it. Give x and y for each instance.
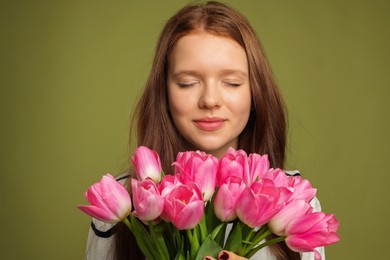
(234, 71)
(222, 73)
(185, 73)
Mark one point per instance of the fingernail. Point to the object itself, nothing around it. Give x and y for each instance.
(224, 255)
(207, 258)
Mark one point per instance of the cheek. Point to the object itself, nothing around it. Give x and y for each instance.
(179, 103)
(240, 103)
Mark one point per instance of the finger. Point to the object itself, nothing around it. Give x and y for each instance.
(208, 258)
(224, 255)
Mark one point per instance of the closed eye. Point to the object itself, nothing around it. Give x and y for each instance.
(185, 85)
(232, 84)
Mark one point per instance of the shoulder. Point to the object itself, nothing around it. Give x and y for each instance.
(124, 178)
(292, 172)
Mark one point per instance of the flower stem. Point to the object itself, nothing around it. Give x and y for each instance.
(142, 236)
(127, 223)
(267, 243)
(178, 237)
(248, 237)
(250, 240)
(159, 242)
(263, 233)
(203, 228)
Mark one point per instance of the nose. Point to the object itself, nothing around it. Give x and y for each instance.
(211, 97)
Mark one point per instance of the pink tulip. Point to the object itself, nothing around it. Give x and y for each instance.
(291, 211)
(300, 187)
(260, 202)
(237, 163)
(278, 176)
(258, 167)
(184, 206)
(197, 167)
(306, 233)
(110, 201)
(227, 197)
(147, 201)
(233, 163)
(167, 184)
(147, 164)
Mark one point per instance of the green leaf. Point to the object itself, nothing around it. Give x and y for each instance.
(203, 228)
(234, 241)
(217, 230)
(246, 231)
(180, 253)
(220, 237)
(208, 248)
(159, 241)
(194, 242)
(180, 257)
(144, 241)
(170, 240)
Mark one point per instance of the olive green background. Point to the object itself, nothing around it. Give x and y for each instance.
(71, 70)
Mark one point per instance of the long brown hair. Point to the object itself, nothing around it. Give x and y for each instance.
(265, 131)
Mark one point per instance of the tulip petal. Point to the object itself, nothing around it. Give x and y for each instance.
(99, 213)
(298, 244)
(311, 231)
(197, 167)
(147, 164)
(110, 201)
(225, 204)
(190, 216)
(247, 208)
(115, 196)
(304, 223)
(291, 211)
(94, 196)
(150, 208)
(317, 255)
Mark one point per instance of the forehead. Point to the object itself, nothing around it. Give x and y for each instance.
(205, 51)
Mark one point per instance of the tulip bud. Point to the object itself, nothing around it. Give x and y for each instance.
(227, 197)
(197, 167)
(184, 206)
(147, 164)
(260, 202)
(147, 200)
(110, 201)
(289, 212)
(310, 231)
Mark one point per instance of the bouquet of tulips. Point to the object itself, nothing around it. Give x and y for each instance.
(207, 205)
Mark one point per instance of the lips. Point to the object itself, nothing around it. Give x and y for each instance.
(209, 124)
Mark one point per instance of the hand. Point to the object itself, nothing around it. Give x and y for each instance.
(223, 255)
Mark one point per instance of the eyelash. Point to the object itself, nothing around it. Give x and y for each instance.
(184, 85)
(232, 84)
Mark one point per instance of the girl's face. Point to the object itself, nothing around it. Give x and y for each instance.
(208, 91)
